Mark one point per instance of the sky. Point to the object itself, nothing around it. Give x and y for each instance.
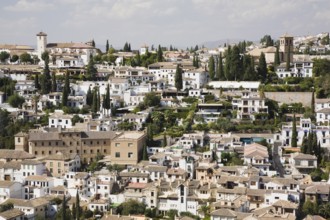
(180, 23)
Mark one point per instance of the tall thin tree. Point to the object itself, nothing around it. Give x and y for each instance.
(294, 132)
(178, 78)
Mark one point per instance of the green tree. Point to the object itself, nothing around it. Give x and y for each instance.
(211, 66)
(6, 206)
(89, 97)
(220, 72)
(76, 119)
(267, 41)
(107, 47)
(262, 68)
(64, 213)
(16, 100)
(78, 208)
(145, 153)
(14, 58)
(164, 140)
(159, 54)
(93, 43)
(66, 90)
(277, 60)
(4, 56)
(25, 58)
(235, 72)
(294, 132)
(205, 210)
(150, 139)
(36, 81)
(228, 63)
(46, 83)
(151, 99)
(94, 103)
(178, 78)
(304, 145)
(106, 100)
(172, 213)
(309, 208)
(324, 210)
(54, 83)
(131, 207)
(91, 71)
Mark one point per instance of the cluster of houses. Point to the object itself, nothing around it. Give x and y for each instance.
(270, 183)
(45, 164)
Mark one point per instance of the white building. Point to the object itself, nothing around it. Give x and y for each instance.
(257, 156)
(250, 106)
(59, 119)
(195, 79)
(10, 189)
(65, 54)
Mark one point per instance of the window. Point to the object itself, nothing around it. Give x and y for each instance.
(130, 155)
(51, 164)
(130, 144)
(117, 154)
(19, 140)
(117, 144)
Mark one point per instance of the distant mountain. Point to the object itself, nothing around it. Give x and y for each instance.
(217, 43)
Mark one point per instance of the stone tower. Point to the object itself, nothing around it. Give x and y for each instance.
(286, 45)
(41, 43)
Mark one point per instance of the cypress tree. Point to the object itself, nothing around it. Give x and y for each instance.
(313, 102)
(164, 140)
(236, 64)
(178, 78)
(64, 208)
(46, 79)
(220, 72)
(294, 132)
(66, 90)
(228, 63)
(36, 81)
(107, 47)
(138, 59)
(91, 70)
(54, 84)
(211, 68)
(78, 214)
(277, 57)
(94, 103)
(93, 43)
(106, 100)
(149, 135)
(145, 153)
(304, 144)
(74, 209)
(262, 68)
(314, 144)
(159, 54)
(89, 97)
(309, 149)
(98, 101)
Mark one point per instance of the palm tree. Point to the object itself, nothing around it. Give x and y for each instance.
(205, 209)
(324, 210)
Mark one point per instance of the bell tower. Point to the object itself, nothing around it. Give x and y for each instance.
(286, 46)
(41, 43)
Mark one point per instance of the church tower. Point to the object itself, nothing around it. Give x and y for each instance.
(41, 43)
(286, 46)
